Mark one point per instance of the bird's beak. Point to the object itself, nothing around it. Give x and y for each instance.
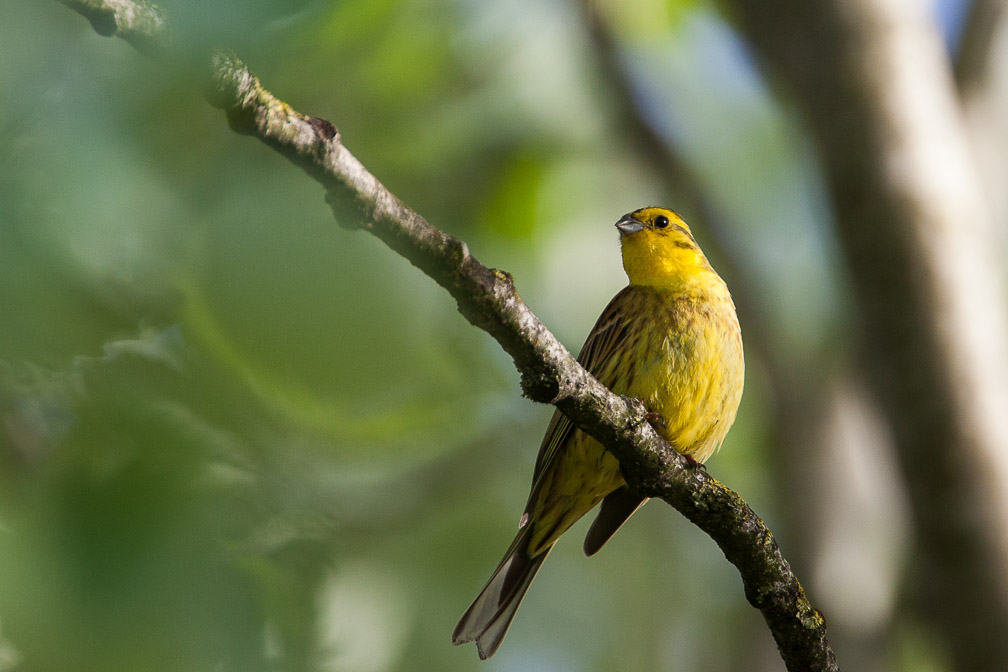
(627, 225)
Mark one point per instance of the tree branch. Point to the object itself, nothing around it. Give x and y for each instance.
(977, 44)
(487, 298)
(875, 82)
(139, 22)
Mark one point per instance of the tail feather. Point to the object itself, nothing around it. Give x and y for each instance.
(487, 619)
(616, 508)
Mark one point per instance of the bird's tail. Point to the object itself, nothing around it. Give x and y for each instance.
(487, 619)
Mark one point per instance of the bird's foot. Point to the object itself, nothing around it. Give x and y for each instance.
(693, 462)
(656, 420)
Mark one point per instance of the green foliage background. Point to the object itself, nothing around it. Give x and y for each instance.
(234, 436)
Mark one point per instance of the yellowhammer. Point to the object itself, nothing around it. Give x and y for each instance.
(670, 339)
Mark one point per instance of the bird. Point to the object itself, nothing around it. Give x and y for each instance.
(670, 338)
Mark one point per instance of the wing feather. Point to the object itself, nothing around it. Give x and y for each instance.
(606, 339)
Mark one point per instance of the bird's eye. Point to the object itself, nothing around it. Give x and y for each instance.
(661, 221)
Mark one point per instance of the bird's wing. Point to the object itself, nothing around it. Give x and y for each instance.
(607, 338)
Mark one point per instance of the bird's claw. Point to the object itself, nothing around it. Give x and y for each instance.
(693, 462)
(656, 420)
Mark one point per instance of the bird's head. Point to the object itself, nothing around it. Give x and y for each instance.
(659, 249)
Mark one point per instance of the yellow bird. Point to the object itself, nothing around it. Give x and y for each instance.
(670, 339)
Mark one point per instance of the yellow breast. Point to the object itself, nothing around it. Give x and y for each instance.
(692, 375)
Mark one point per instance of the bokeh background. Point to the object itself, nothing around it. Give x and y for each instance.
(235, 436)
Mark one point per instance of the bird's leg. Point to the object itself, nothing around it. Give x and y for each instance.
(656, 420)
(693, 462)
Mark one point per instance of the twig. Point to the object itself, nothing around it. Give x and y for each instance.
(139, 22)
